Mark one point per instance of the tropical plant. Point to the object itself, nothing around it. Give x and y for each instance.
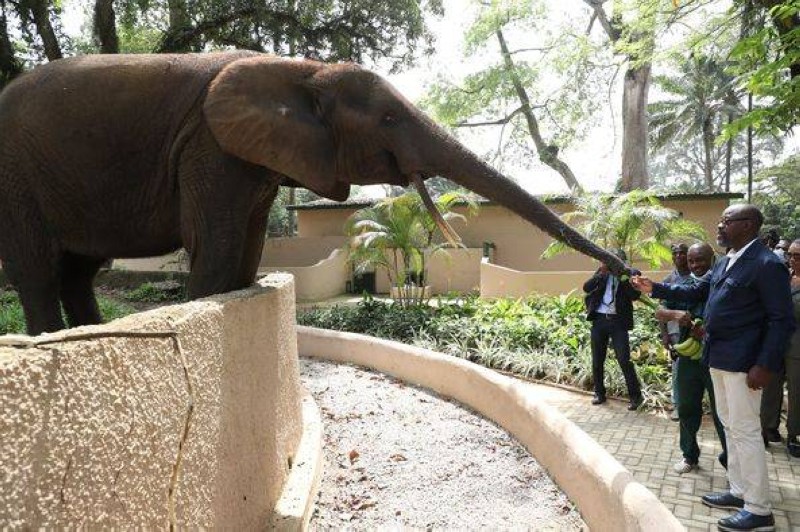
(702, 97)
(397, 234)
(777, 193)
(635, 222)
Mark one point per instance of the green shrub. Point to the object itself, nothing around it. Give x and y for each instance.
(546, 338)
(156, 292)
(12, 319)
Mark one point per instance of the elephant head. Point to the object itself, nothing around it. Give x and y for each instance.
(328, 126)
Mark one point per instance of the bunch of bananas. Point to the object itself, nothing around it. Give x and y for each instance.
(691, 347)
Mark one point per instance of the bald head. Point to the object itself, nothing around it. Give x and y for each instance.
(700, 258)
(739, 225)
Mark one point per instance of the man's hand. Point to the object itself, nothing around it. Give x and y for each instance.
(642, 284)
(665, 340)
(686, 319)
(698, 332)
(758, 377)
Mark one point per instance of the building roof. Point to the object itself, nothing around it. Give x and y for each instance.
(325, 204)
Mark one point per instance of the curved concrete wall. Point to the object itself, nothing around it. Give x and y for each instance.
(323, 280)
(499, 281)
(102, 427)
(283, 252)
(605, 492)
(456, 270)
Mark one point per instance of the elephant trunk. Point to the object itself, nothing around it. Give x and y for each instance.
(465, 168)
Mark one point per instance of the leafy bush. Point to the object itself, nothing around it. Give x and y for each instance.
(546, 338)
(156, 292)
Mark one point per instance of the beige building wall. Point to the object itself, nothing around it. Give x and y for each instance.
(457, 271)
(104, 429)
(518, 245)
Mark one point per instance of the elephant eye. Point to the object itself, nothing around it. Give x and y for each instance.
(389, 119)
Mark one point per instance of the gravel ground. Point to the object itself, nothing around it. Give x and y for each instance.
(397, 456)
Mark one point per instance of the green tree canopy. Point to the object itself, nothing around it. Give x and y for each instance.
(332, 30)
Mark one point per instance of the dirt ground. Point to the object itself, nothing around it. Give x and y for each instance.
(397, 456)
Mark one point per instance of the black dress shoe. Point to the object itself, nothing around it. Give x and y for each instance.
(725, 500)
(635, 404)
(771, 436)
(744, 520)
(793, 446)
(598, 399)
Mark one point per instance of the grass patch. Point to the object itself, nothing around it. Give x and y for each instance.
(12, 319)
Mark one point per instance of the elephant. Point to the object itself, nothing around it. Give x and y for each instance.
(119, 156)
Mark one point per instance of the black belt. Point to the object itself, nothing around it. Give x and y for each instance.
(607, 316)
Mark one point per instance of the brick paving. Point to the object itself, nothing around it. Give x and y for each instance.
(647, 445)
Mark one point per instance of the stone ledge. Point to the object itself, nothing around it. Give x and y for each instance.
(296, 504)
(606, 494)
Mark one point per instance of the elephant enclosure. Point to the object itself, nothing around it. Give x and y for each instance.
(399, 456)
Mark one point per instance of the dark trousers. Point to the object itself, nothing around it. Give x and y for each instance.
(607, 327)
(772, 399)
(694, 380)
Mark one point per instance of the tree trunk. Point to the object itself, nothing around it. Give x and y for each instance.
(708, 148)
(10, 67)
(105, 27)
(178, 22)
(728, 157)
(634, 129)
(547, 154)
(40, 10)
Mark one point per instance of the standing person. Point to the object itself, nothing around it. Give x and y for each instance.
(609, 305)
(671, 331)
(748, 320)
(781, 248)
(692, 377)
(772, 399)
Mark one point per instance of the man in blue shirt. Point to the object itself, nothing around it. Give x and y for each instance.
(748, 321)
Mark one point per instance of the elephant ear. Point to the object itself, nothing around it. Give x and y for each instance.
(265, 111)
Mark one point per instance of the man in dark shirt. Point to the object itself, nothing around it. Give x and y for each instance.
(609, 305)
(748, 321)
(692, 377)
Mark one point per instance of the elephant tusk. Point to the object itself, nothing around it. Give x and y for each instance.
(448, 232)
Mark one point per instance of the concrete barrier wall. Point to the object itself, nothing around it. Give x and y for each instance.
(183, 416)
(323, 280)
(499, 281)
(607, 495)
(282, 252)
(458, 270)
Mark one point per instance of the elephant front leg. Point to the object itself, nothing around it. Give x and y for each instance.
(256, 231)
(219, 198)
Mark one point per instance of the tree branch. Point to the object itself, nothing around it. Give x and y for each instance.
(548, 154)
(501, 121)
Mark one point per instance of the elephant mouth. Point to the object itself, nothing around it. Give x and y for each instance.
(448, 232)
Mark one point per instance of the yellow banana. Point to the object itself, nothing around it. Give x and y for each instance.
(689, 347)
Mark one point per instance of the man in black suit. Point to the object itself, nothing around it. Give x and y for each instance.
(609, 305)
(748, 321)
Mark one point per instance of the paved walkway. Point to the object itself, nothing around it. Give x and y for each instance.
(647, 444)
